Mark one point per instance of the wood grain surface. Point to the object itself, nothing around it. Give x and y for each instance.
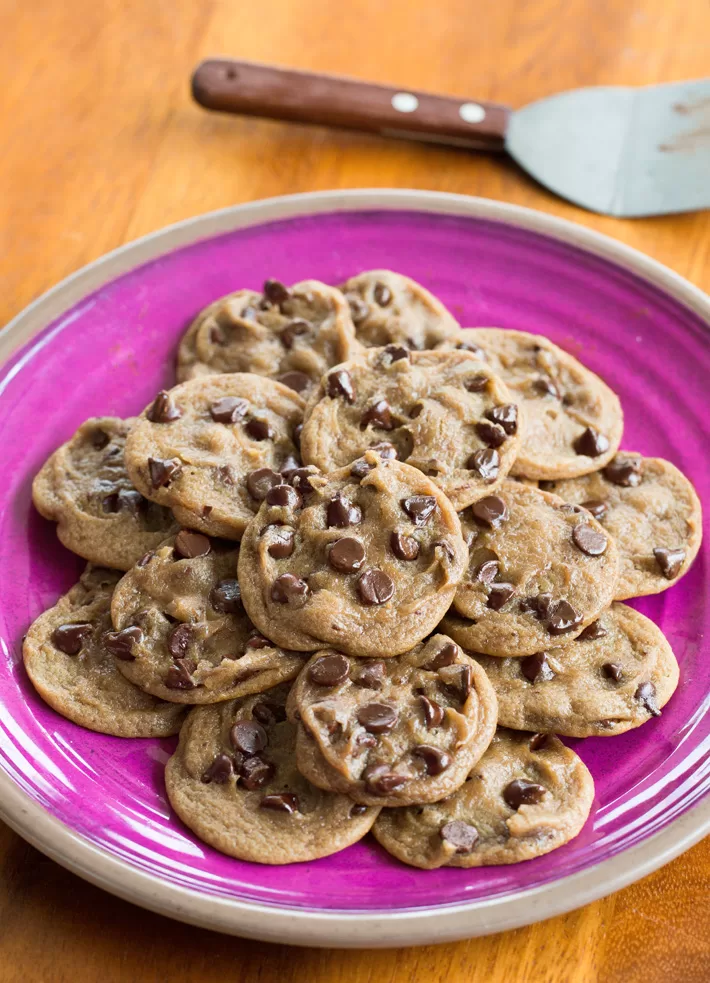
(100, 144)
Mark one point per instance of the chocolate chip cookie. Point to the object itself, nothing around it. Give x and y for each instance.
(613, 677)
(75, 673)
(291, 334)
(366, 559)
(539, 570)
(528, 795)
(393, 731)
(84, 487)
(233, 780)
(388, 308)
(653, 513)
(181, 632)
(573, 420)
(442, 412)
(196, 446)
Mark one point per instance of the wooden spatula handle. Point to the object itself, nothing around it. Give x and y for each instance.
(252, 89)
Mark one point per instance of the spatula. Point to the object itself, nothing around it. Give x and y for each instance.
(612, 149)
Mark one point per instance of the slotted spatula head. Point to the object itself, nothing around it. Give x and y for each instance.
(617, 150)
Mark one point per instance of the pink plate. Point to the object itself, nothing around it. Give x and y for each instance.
(104, 341)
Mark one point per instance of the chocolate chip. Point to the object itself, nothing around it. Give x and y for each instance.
(284, 496)
(179, 675)
(300, 480)
(258, 641)
(536, 668)
(471, 346)
(592, 632)
(121, 643)
(381, 781)
(358, 308)
(419, 508)
(226, 597)
(624, 471)
(563, 618)
(521, 793)
(570, 509)
(124, 500)
(361, 468)
(298, 381)
(268, 713)
(539, 604)
(282, 546)
(374, 587)
(340, 384)
(372, 675)
(357, 810)
(487, 570)
(382, 294)
(254, 773)
(225, 475)
(476, 383)
(189, 544)
(486, 462)
(329, 670)
(340, 513)
(163, 472)
(229, 409)
(597, 508)
(433, 712)
(292, 330)
(275, 292)
(458, 679)
(460, 835)
(669, 560)
(379, 415)
(145, 559)
(613, 671)
(178, 640)
(538, 742)
(499, 594)
(545, 386)
(288, 589)
(446, 548)
(591, 443)
(260, 481)
(506, 415)
(346, 555)
(377, 718)
(393, 353)
(387, 451)
(281, 802)
(588, 539)
(249, 737)
(99, 439)
(70, 638)
(366, 740)
(290, 466)
(491, 511)
(163, 409)
(446, 656)
(646, 695)
(490, 433)
(404, 547)
(220, 771)
(435, 760)
(258, 429)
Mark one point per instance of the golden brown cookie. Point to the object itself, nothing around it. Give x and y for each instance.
(196, 446)
(528, 795)
(84, 487)
(539, 571)
(443, 412)
(366, 560)
(74, 672)
(233, 780)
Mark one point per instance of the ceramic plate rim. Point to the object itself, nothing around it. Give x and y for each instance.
(279, 923)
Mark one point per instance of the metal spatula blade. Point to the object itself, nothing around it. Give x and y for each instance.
(619, 150)
(612, 149)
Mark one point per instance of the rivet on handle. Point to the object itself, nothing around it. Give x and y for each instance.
(471, 112)
(405, 102)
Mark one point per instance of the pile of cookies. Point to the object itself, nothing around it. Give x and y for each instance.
(370, 566)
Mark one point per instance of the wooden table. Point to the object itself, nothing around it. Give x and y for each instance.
(102, 144)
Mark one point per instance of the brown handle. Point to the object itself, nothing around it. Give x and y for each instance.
(252, 89)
